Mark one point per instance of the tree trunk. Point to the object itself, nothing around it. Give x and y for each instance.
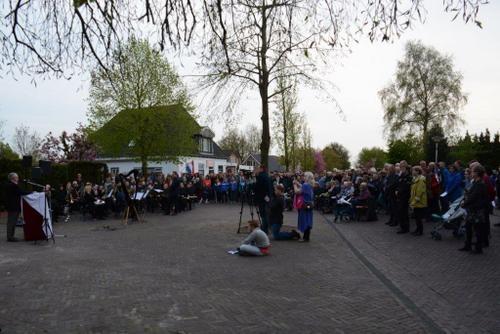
(266, 138)
(144, 164)
(285, 133)
(264, 91)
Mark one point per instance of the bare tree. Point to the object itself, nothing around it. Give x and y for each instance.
(242, 40)
(51, 36)
(56, 36)
(252, 135)
(287, 121)
(246, 41)
(27, 141)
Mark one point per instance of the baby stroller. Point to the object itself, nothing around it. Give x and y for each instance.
(343, 209)
(453, 219)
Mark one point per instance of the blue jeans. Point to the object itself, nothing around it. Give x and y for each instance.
(277, 235)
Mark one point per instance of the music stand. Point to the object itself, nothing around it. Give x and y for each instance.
(130, 201)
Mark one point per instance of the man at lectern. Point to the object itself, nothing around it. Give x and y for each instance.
(13, 195)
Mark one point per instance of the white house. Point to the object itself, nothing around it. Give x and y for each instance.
(209, 158)
(253, 161)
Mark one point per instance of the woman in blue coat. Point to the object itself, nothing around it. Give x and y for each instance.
(304, 199)
(454, 182)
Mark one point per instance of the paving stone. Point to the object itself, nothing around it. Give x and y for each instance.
(173, 275)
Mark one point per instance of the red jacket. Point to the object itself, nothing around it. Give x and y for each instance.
(491, 188)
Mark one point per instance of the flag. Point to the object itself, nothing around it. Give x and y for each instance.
(35, 208)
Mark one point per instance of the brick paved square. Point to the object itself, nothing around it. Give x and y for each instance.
(173, 275)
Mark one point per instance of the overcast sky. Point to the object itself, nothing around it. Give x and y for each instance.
(56, 105)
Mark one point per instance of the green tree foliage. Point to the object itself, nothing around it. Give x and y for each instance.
(336, 156)
(234, 142)
(6, 152)
(426, 92)
(155, 133)
(477, 147)
(372, 157)
(138, 77)
(464, 149)
(408, 148)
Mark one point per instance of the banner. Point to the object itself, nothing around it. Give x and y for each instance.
(35, 209)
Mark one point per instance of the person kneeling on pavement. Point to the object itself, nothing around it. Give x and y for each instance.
(257, 243)
(276, 208)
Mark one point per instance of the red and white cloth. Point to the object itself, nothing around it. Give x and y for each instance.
(35, 208)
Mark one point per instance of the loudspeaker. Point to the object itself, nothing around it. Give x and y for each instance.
(36, 173)
(46, 166)
(27, 161)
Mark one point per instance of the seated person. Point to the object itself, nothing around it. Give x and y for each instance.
(364, 195)
(344, 205)
(276, 207)
(257, 243)
(88, 200)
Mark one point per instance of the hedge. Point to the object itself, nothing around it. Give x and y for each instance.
(94, 172)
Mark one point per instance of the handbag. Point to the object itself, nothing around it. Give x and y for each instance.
(298, 201)
(307, 206)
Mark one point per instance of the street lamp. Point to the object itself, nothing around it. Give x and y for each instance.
(436, 140)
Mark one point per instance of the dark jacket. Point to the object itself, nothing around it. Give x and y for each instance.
(390, 186)
(476, 198)
(404, 188)
(175, 187)
(276, 206)
(13, 195)
(263, 187)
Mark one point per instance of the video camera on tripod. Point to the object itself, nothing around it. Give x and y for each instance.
(248, 196)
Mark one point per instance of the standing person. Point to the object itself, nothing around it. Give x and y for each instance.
(497, 185)
(490, 186)
(263, 190)
(304, 195)
(276, 208)
(418, 198)
(391, 184)
(403, 192)
(13, 195)
(433, 184)
(476, 204)
(175, 189)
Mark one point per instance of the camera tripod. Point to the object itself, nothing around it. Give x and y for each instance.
(248, 197)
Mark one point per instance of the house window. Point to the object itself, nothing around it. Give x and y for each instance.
(206, 145)
(221, 169)
(115, 170)
(154, 170)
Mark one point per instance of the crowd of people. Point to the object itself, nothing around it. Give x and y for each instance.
(399, 190)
